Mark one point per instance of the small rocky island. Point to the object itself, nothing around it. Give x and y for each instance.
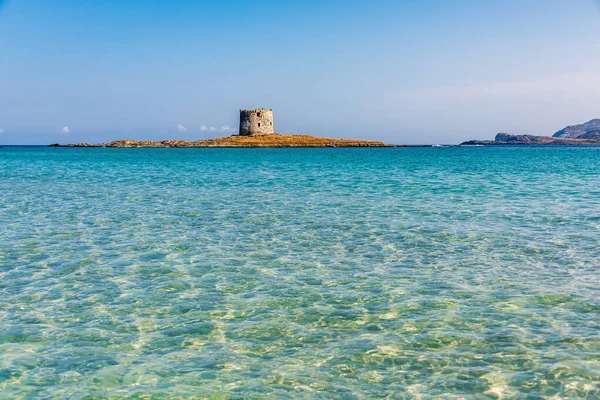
(256, 130)
(271, 140)
(583, 134)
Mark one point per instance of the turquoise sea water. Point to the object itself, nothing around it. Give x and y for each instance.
(300, 273)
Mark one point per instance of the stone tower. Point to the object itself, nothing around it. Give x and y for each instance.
(256, 122)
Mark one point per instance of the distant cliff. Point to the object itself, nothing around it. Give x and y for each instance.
(577, 131)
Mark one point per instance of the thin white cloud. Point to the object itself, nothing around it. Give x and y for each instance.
(224, 128)
(181, 128)
(1, 131)
(66, 129)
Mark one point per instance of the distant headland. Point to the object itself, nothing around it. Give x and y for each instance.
(583, 134)
(256, 130)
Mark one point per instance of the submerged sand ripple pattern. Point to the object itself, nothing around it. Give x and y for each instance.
(294, 273)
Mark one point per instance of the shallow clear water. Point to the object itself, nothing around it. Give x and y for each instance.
(294, 273)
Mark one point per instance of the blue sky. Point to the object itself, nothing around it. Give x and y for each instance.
(427, 71)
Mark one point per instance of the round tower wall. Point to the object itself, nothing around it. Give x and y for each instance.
(256, 122)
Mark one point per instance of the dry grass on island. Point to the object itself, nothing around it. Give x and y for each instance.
(270, 140)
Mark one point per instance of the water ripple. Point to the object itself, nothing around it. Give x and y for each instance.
(294, 273)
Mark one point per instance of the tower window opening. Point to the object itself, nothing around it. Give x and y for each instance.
(259, 124)
(258, 115)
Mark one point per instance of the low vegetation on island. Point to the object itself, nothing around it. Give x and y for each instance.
(269, 140)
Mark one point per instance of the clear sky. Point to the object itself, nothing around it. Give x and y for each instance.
(427, 71)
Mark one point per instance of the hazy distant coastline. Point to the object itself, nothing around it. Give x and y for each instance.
(582, 134)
